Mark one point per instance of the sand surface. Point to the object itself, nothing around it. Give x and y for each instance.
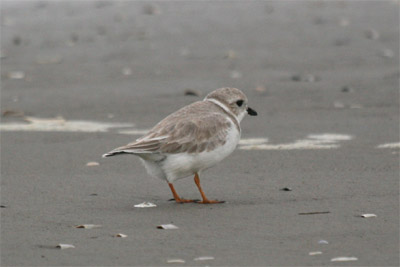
(323, 76)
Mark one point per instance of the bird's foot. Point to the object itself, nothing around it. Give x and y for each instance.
(182, 200)
(207, 201)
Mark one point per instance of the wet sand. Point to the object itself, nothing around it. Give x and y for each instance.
(308, 68)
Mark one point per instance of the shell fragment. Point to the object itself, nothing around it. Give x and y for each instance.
(88, 226)
(92, 163)
(204, 258)
(167, 226)
(344, 259)
(121, 235)
(145, 205)
(368, 215)
(65, 246)
(175, 261)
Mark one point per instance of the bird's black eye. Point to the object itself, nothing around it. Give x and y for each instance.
(239, 103)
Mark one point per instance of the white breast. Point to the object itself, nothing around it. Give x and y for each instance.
(181, 165)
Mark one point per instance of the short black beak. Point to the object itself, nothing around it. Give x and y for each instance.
(251, 111)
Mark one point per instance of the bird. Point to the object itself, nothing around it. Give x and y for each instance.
(192, 139)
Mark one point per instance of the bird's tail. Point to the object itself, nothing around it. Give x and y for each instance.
(114, 153)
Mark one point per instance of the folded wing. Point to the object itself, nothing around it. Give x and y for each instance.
(191, 134)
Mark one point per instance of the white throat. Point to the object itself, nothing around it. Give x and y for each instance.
(241, 115)
(218, 103)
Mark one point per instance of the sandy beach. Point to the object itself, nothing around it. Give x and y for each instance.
(79, 78)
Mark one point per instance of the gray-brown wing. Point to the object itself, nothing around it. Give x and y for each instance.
(197, 134)
(175, 135)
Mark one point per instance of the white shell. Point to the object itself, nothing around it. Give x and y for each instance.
(204, 258)
(65, 246)
(145, 205)
(92, 163)
(167, 226)
(88, 226)
(344, 259)
(175, 261)
(121, 235)
(368, 215)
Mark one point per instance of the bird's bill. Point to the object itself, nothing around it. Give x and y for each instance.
(251, 111)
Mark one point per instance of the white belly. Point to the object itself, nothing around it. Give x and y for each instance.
(177, 166)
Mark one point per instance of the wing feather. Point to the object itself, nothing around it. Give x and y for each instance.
(199, 130)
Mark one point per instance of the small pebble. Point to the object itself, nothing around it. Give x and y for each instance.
(192, 92)
(12, 113)
(286, 189)
(305, 78)
(296, 77)
(17, 40)
(372, 34)
(347, 89)
(74, 37)
(121, 235)
(313, 253)
(323, 242)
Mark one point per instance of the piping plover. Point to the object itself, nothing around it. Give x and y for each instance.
(192, 139)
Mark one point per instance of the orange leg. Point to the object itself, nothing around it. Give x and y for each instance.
(176, 196)
(205, 199)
